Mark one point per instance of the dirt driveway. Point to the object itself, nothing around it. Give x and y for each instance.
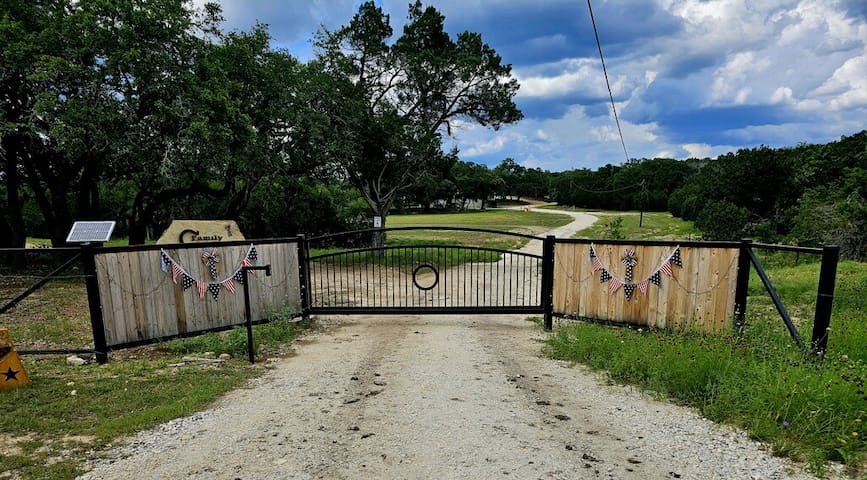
(437, 397)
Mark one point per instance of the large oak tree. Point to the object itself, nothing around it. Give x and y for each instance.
(406, 94)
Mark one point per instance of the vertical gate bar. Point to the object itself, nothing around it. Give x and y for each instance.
(825, 298)
(303, 276)
(475, 277)
(97, 322)
(742, 283)
(548, 282)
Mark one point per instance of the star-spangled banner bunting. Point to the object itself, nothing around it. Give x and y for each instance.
(629, 289)
(666, 268)
(675, 258)
(629, 260)
(214, 288)
(597, 265)
(210, 259)
(176, 271)
(615, 284)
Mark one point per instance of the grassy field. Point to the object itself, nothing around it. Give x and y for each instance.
(51, 426)
(654, 226)
(756, 379)
(532, 223)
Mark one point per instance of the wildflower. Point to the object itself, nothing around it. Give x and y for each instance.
(786, 424)
(854, 434)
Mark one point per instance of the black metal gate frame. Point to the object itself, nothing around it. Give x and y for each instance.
(544, 305)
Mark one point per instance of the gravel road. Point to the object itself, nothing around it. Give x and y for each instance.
(437, 397)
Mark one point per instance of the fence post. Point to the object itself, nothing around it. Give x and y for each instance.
(743, 283)
(97, 323)
(245, 274)
(548, 281)
(825, 298)
(304, 276)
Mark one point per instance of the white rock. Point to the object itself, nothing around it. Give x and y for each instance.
(75, 361)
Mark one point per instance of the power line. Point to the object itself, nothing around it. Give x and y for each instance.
(607, 83)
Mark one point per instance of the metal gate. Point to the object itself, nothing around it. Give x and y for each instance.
(423, 276)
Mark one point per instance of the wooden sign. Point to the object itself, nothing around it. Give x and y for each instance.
(192, 231)
(12, 373)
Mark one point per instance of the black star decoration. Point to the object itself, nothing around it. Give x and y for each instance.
(253, 255)
(239, 276)
(214, 288)
(187, 282)
(675, 258)
(655, 279)
(11, 374)
(629, 289)
(605, 276)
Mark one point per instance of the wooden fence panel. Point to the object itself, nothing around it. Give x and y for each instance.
(140, 302)
(698, 295)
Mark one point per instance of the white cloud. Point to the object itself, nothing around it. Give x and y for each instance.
(847, 87)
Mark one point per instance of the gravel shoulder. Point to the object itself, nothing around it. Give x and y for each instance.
(439, 396)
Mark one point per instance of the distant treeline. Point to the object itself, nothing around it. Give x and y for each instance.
(807, 195)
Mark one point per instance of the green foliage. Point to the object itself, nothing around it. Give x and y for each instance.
(722, 220)
(398, 96)
(755, 379)
(614, 228)
(644, 184)
(653, 226)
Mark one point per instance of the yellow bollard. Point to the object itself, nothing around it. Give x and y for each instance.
(12, 373)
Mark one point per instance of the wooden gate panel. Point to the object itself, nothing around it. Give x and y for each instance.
(698, 295)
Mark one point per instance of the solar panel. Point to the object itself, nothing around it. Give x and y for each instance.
(84, 232)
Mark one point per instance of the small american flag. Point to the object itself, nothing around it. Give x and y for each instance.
(201, 287)
(597, 265)
(666, 268)
(229, 284)
(615, 284)
(176, 272)
(643, 287)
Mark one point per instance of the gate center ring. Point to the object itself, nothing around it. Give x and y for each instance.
(423, 270)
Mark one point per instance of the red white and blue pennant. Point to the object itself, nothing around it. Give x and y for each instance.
(211, 259)
(630, 261)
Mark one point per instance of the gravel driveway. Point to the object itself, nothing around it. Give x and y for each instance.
(437, 397)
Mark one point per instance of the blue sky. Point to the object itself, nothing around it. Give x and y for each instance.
(691, 78)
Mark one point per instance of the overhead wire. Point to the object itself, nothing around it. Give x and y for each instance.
(607, 83)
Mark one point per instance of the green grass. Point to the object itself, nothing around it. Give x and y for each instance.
(516, 221)
(757, 380)
(654, 226)
(46, 431)
(502, 220)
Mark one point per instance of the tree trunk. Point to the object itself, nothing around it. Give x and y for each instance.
(378, 240)
(13, 233)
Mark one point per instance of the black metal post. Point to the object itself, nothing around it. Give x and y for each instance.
(97, 323)
(248, 316)
(743, 283)
(548, 281)
(304, 275)
(825, 298)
